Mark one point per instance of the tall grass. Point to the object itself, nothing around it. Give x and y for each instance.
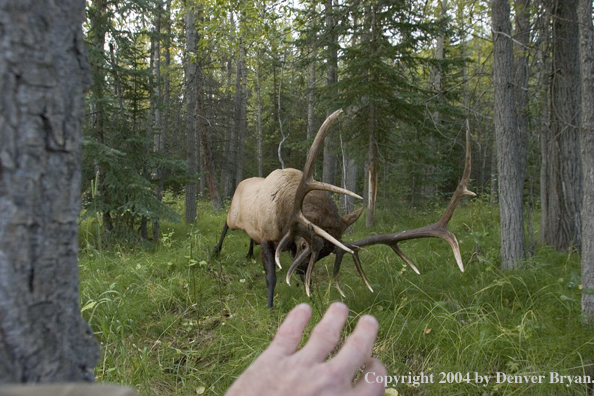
(172, 320)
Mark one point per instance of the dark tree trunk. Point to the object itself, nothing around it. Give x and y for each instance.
(230, 143)
(205, 153)
(372, 175)
(240, 111)
(259, 121)
(98, 27)
(508, 139)
(44, 71)
(330, 157)
(191, 138)
(158, 137)
(311, 99)
(163, 110)
(561, 227)
(587, 147)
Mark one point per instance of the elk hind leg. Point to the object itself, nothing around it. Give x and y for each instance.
(267, 251)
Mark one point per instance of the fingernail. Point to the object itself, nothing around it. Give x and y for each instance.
(304, 306)
(370, 319)
(341, 306)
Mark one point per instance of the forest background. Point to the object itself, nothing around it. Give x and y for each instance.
(189, 98)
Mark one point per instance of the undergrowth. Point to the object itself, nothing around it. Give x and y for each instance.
(173, 320)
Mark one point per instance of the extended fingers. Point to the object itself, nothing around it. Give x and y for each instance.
(326, 334)
(289, 333)
(357, 349)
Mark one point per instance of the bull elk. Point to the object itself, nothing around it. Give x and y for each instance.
(289, 210)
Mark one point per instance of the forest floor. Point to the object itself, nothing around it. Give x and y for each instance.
(172, 320)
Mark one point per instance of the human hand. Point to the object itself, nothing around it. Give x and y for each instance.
(282, 370)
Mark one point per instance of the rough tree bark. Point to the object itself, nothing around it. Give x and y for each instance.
(44, 71)
(587, 147)
(191, 138)
(508, 140)
(562, 193)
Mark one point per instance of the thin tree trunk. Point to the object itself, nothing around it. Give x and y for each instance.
(372, 150)
(562, 229)
(311, 99)
(587, 151)
(191, 138)
(259, 121)
(98, 26)
(330, 157)
(280, 120)
(205, 154)
(349, 180)
(240, 110)
(371, 172)
(146, 172)
(230, 143)
(43, 337)
(158, 134)
(508, 139)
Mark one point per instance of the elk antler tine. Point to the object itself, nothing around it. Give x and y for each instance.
(312, 262)
(330, 238)
(450, 238)
(360, 269)
(317, 145)
(298, 261)
(316, 185)
(401, 254)
(337, 261)
(338, 286)
(281, 245)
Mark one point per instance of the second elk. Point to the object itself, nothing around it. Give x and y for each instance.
(289, 210)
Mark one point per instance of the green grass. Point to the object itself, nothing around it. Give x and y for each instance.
(171, 320)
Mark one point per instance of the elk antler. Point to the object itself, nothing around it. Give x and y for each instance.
(299, 225)
(438, 230)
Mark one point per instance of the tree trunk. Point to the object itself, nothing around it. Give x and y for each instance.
(522, 45)
(205, 153)
(240, 111)
(371, 172)
(311, 99)
(44, 72)
(158, 139)
(230, 142)
(149, 134)
(163, 118)
(330, 157)
(508, 140)
(563, 195)
(191, 138)
(98, 26)
(349, 181)
(587, 148)
(259, 121)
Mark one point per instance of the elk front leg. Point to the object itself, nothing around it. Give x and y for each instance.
(250, 254)
(219, 246)
(267, 249)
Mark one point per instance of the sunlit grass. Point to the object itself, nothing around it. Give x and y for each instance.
(172, 320)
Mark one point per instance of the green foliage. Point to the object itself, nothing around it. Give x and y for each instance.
(171, 320)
